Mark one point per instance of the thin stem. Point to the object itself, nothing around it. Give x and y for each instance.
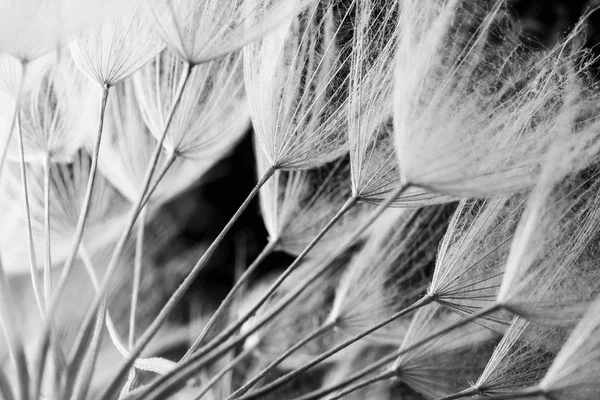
(268, 249)
(321, 330)
(110, 326)
(353, 378)
(47, 243)
(223, 371)
(292, 374)
(212, 350)
(76, 239)
(384, 376)
(137, 274)
(168, 163)
(323, 391)
(525, 393)
(29, 231)
(450, 328)
(472, 391)
(291, 268)
(176, 297)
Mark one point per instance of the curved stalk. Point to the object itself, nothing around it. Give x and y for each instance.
(268, 249)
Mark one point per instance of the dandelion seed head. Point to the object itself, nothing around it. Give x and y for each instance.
(521, 358)
(476, 111)
(212, 114)
(551, 273)
(389, 273)
(573, 373)
(117, 48)
(472, 257)
(67, 189)
(202, 31)
(128, 146)
(375, 171)
(54, 116)
(295, 83)
(448, 363)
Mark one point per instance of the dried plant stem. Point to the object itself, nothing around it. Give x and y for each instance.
(353, 378)
(321, 330)
(89, 318)
(384, 376)
(230, 365)
(29, 231)
(47, 243)
(396, 354)
(110, 326)
(463, 393)
(216, 347)
(137, 274)
(291, 375)
(525, 393)
(176, 297)
(268, 249)
(291, 268)
(46, 330)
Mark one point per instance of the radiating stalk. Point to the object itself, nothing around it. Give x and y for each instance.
(47, 243)
(292, 374)
(525, 393)
(29, 232)
(110, 326)
(85, 206)
(319, 393)
(291, 268)
(230, 365)
(178, 295)
(384, 376)
(51, 308)
(339, 251)
(13, 119)
(323, 391)
(216, 347)
(268, 249)
(319, 331)
(469, 392)
(137, 274)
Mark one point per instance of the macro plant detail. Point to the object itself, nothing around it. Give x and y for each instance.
(298, 199)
